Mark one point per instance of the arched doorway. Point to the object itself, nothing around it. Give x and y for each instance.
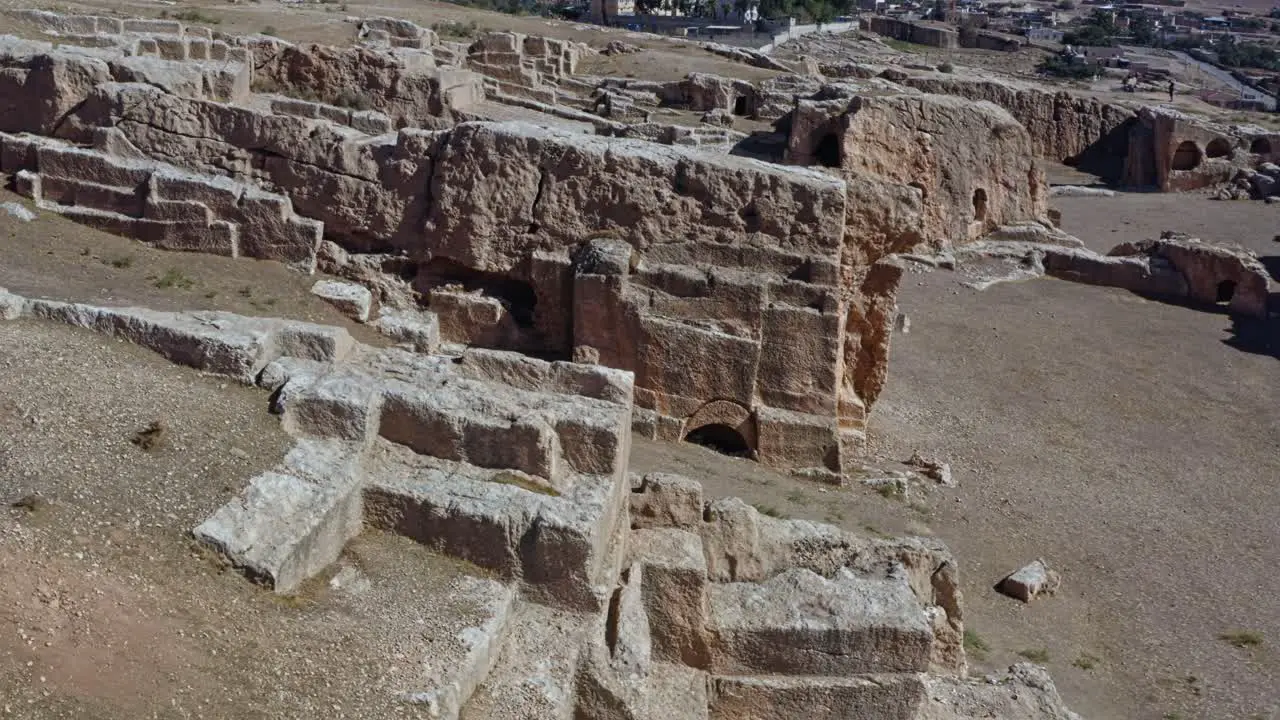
(725, 426)
(1186, 157)
(1218, 148)
(721, 438)
(980, 205)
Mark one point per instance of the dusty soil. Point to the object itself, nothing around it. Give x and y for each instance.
(55, 258)
(108, 610)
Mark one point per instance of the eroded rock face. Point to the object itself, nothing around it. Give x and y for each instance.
(1062, 126)
(754, 299)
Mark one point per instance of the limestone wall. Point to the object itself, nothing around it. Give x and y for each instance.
(913, 31)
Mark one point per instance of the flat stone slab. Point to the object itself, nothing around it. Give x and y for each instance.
(800, 623)
(883, 697)
(353, 300)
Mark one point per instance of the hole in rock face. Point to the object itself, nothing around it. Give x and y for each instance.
(1260, 146)
(740, 106)
(1186, 157)
(517, 296)
(828, 151)
(721, 438)
(980, 204)
(1218, 148)
(1226, 291)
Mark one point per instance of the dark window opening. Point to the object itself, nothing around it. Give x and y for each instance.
(740, 106)
(516, 295)
(980, 204)
(1218, 148)
(803, 272)
(721, 438)
(401, 267)
(1226, 291)
(1186, 156)
(828, 151)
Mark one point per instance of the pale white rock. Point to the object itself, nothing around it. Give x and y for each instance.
(353, 300)
(1030, 582)
(17, 211)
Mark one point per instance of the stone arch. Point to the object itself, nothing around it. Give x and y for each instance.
(1187, 156)
(723, 425)
(980, 205)
(1217, 148)
(1260, 146)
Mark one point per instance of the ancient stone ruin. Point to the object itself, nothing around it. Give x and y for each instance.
(557, 273)
(752, 296)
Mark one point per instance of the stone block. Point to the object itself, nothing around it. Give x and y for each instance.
(1030, 582)
(287, 526)
(662, 500)
(351, 299)
(675, 591)
(800, 623)
(342, 404)
(865, 697)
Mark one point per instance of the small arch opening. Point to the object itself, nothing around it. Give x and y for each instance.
(828, 151)
(721, 438)
(1260, 146)
(740, 106)
(1186, 156)
(1226, 291)
(980, 205)
(1218, 148)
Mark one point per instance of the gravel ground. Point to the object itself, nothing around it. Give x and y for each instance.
(108, 609)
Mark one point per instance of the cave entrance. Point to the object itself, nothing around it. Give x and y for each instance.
(740, 106)
(828, 151)
(1186, 156)
(721, 438)
(1226, 291)
(980, 205)
(517, 296)
(1260, 146)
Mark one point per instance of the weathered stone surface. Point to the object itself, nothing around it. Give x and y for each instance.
(533, 676)
(11, 306)
(418, 329)
(801, 623)
(471, 618)
(1062, 126)
(1030, 582)
(353, 300)
(1213, 273)
(1025, 691)
(17, 212)
(290, 523)
(867, 697)
(675, 592)
(661, 500)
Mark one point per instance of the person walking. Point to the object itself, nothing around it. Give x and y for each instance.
(1170, 91)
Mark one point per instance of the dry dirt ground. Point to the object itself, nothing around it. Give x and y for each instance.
(109, 611)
